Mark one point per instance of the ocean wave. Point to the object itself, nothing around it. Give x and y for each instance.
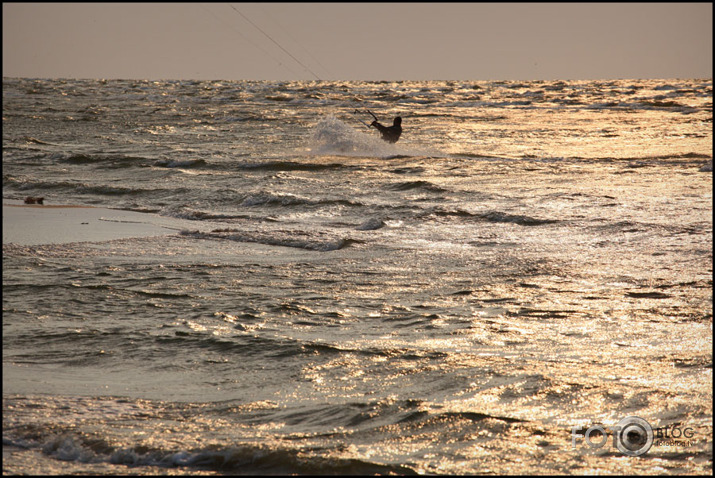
(421, 184)
(269, 199)
(494, 216)
(32, 140)
(288, 239)
(304, 438)
(293, 166)
(182, 212)
(402, 416)
(112, 161)
(182, 164)
(371, 224)
(71, 188)
(245, 459)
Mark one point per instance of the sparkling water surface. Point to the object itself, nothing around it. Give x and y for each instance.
(529, 258)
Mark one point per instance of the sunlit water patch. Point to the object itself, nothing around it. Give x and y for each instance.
(530, 260)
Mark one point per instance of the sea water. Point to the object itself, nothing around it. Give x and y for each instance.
(531, 261)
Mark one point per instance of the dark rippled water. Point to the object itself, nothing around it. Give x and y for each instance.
(529, 259)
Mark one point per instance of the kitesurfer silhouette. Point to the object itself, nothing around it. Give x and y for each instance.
(389, 133)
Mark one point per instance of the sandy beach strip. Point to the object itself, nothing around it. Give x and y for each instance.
(59, 224)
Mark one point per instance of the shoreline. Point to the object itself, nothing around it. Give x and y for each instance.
(34, 224)
(52, 206)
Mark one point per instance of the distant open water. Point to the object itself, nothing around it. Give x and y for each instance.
(530, 257)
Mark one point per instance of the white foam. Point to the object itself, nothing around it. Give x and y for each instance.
(331, 136)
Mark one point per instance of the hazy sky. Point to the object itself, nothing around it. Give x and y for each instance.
(358, 41)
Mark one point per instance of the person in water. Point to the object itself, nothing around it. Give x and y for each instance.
(389, 133)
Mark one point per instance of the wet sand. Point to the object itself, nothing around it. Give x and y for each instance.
(59, 224)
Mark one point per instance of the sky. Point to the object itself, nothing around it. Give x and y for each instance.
(358, 41)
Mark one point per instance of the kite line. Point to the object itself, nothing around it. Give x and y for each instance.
(277, 44)
(247, 39)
